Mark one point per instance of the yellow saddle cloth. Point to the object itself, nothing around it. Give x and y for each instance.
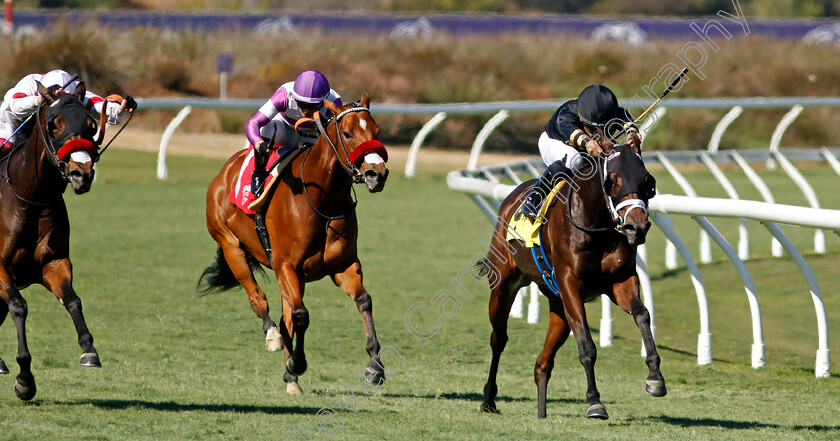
(524, 229)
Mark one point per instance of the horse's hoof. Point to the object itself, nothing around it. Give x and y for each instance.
(375, 377)
(3, 368)
(295, 369)
(25, 393)
(655, 388)
(488, 407)
(273, 341)
(292, 388)
(598, 411)
(90, 359)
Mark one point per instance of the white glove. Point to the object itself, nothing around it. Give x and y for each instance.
(113, 112)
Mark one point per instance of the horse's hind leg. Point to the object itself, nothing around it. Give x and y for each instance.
(237, 260)
(58, 279)
(4, 311)
(350, 281)
(558, 332)
(25, 381)
(626, 296)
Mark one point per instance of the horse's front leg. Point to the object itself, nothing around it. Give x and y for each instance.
(25, 381)
(350, 281)
(58, 278)
(626, 296)
(558, 332)
(571, 290)
(296, 319)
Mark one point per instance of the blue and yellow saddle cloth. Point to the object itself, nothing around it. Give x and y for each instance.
(524, 229)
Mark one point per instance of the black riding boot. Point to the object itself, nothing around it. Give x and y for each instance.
(259, 174)
(534, 200)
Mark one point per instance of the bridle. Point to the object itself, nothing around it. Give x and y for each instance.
(619, 222)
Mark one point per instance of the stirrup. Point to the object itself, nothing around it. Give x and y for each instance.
(533, 203)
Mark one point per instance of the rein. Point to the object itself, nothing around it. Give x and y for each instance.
(613, 209)
(349, 167)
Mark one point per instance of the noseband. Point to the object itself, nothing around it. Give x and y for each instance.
(618, 221)
(349, 166)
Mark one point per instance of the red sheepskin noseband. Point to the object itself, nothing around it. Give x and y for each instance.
(77, 145)
(370, 146)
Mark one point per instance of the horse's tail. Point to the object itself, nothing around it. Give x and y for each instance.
(218, 277)
(482, 267)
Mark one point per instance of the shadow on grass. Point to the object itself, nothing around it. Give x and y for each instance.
(480, 397)
(171, 406)
(729, 424)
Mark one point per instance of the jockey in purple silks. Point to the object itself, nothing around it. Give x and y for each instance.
(302, 98)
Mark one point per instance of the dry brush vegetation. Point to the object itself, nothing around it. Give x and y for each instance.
(151, 62)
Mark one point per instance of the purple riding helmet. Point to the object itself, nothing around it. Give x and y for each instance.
(311, 87)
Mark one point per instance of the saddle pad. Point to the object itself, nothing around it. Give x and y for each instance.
(241, 195)
(524, 229)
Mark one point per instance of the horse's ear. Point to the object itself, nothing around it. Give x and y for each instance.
(365, 100)
(49, 97)
(81, 90)
(332, 107)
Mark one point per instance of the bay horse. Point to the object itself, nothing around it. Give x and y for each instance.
(312, 226)
(590, 237)
(34, 228)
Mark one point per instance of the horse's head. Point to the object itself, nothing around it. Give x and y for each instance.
(358, 133)
(628, 187)
(69, 131)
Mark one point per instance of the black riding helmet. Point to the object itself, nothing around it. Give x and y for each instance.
(597, 105)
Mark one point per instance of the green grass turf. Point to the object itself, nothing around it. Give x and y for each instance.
(178, 367)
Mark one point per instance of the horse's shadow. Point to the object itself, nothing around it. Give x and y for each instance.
(454, 396)
(729, 424)
(172, 406)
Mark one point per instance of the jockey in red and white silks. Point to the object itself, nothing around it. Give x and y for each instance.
(22, 100)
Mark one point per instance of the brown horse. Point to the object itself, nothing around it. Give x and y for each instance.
(590, 238)
(34, 229)
(312, 227)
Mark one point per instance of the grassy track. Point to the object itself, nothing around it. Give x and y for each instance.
(177, 367)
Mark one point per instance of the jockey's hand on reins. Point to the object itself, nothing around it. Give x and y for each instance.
(635, 141)
(594, 148)
(129, 103)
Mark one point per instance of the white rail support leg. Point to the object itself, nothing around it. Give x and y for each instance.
(534, 305)
(482, 136)
(808, 191)
(775, 246)
(704, 338)
(757, 352)
(646, 288)
(717, 134)
(650, 123)
(783, 125)
(517, 310)
(743, 235)
(832, 160)
(705, 245)
(164, 141)
(822, 367)
(411, 161)
(606, 335)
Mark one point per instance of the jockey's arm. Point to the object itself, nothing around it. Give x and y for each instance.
(565, 125)
(279, 102)
(632, 132)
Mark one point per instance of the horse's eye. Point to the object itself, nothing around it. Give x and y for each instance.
(347, 135)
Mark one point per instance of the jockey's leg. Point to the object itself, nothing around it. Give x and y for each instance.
(261, 153)
(562, 160)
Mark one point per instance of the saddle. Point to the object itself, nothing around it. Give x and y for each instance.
(524, 229)
(241, 194)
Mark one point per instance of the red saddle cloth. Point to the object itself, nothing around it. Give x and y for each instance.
(241, 195)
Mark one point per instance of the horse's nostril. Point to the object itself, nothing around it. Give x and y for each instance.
(630, 228)
(370, 174)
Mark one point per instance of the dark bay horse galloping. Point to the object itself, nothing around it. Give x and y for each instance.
(590, 238)
(34, 228)
(312, 227)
